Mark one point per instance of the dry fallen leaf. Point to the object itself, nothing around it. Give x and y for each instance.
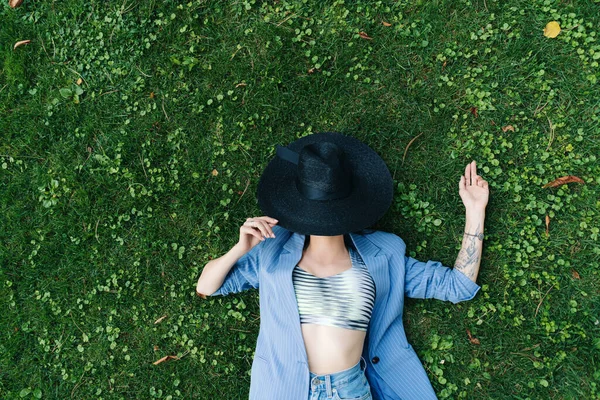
(155, 347)
(552, 29)
(21, 43)
(79, 81)
(364, 35)
(386, 23)
(563, 180)
(165, 358)
(575, 274)
(215, 172)
(474, 111)
(508, 128)
(547, 225)
(15, 3)
(158, 321)
(151, 95)
(472, 339)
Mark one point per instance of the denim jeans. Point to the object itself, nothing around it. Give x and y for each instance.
(350, 383)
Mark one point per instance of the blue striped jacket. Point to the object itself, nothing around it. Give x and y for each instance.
(280, 366)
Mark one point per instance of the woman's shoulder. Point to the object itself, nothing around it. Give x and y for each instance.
(375, 234)
(387, 241)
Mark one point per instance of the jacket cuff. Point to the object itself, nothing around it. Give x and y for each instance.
(469, 287)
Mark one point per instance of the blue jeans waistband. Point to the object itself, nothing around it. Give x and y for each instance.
(337, 378)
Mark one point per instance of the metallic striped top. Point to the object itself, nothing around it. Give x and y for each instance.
(344, 300)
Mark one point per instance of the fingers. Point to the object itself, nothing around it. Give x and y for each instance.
(471, 176)
(251, 231)
(269, 220)
(266, 229)
(474, 176)
(482, 182)
(461, 184)
(262, 224)
(468, 174)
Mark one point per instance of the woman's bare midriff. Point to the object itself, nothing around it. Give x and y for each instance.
(331, 349)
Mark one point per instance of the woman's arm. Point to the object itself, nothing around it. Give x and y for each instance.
(474, 193)
(252, 232)
(469, 256)
(216, 270)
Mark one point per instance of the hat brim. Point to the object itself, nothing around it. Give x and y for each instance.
(371, 195)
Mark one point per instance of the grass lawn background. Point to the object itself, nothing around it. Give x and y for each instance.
(133, 135)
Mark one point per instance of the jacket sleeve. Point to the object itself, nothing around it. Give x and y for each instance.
(426, 280)
(431, 279)
(244, 273)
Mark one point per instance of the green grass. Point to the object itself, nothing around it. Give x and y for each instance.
(109, 207)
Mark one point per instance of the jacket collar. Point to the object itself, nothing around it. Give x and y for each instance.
(365, 246)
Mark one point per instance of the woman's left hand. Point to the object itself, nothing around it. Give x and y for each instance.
(473, 189)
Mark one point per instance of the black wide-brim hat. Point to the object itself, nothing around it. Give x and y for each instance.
(325, 184)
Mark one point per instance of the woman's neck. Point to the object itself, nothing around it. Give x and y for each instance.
(327, 248)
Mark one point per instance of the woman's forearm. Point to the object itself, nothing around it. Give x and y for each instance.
(469, 256)
(216, 270)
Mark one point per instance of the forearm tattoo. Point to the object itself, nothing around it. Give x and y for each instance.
(469, 255)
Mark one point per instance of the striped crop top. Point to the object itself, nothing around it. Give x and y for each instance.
(344, 300)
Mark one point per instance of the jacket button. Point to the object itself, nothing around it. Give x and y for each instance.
(375, 360)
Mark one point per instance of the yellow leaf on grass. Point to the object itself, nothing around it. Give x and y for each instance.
(21, 43)
(552, 29)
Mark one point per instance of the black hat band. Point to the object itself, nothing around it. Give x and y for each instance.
(339, 185)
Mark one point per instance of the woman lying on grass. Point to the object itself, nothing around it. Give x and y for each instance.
(331, 292)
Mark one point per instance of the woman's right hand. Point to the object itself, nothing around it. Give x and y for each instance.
(256, 230)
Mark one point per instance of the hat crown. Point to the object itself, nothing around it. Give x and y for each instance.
(323, 173)
(284, 193)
